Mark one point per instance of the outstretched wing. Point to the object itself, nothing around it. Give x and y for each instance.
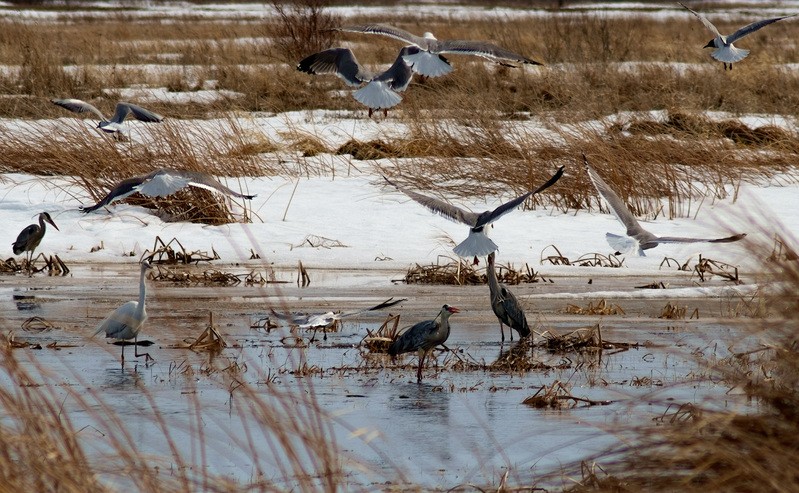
(679, 239)
(482, 49)
(337, 61)
(208, 182)
(746, 30)
(124, 109)
(509, 206)
(438, 206)
(118, 192)
(386, 304)
(709, 25)
(78, 106)
(386, 30)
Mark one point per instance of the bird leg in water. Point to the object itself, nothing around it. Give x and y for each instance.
(422, 354)
(147, 357)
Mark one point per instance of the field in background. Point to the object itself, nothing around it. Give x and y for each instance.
(635, 92)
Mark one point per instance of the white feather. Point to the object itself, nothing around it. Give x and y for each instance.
(428, 64)
(730, 54)
(624, 244)
(377, 95)
(475, 245)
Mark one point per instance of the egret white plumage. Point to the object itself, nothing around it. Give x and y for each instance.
(638, 239)
(423, 337)
(125, 322)
(505, 305)
(115, 123)
(30, 237)
(477, 244)
(377, 91)
(428, 60)
(161, 183)
(724, 50)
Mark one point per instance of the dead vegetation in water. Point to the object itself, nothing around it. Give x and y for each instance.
(210, 277)
(53, 265)
(461, 273)
(705, 268)
(378, 341)
(672, 311)
(166, 253)
(559, 396)
(585, 260)
(602, 307)
(583, 339)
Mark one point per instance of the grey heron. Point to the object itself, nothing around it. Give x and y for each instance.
(428, 59)
(423, 337)
(125, 322)
(377, 91)
(161, 183)
(505, 305)
(477, 244)
(115, 123)
(30, 237)
(724, 50)
(637, 239)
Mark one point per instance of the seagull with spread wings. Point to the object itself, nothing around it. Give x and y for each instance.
(115, 123)
(724, 50)
(477, 244)
(161, 183)
(637, 239)
(428, 59)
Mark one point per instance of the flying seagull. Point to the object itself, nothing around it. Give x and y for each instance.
(724, 51)
(477, 244)
(428, 60)
(163, 182)
(377, 91)
(637, 239)
(115, 123)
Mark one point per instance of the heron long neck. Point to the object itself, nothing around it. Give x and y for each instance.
(42, 224)
(493, 282)
(142, 290)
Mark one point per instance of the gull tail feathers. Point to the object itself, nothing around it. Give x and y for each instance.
(477, 244)
(624, 244)
(730, 54)
(428, 64)
(377, 95)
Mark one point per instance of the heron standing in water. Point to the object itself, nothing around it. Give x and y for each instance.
(31, 236)
(423, 337)
(505, 305)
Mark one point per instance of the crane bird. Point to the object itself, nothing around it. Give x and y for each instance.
(505, 305)
(115, 123)
(30, 237)
(423, 337)
(724, 50)
(161, 183)
(637, 239)
(328, 319)
(377, 91)
(125, 322)
(477, 244)
(428, 59)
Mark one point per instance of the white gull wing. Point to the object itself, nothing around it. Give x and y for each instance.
(390, 31)
(124, 109)
(746, 30)
(338, 61)
(709, 25)
(482, 49)
(618, 207)
(438, 206)
(307, 321)
(78, 106)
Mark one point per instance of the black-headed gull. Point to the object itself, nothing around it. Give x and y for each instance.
(377, 91)
(163, 182)
(115, 123)
(428, 60)
(477, 244)
(724, 50)
(638, 239)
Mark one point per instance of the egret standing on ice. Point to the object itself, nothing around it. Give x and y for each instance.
(724, 51)
(477, 244)
(115, 123)
(423, 337)
(505, 305)
(30, 237)
(125, 322)
(377, 91)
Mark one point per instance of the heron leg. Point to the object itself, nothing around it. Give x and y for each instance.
(147, 356)
(502, 331)
(422, 355)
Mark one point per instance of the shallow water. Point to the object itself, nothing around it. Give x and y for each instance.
(457, 427)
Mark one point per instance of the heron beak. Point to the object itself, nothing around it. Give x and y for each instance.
(51, 222)
(452, 309)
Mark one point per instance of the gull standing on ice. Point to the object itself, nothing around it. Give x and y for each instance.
(477, 244)
(637, 239)
(161, 183)
(428, 59)
(724, 51)
(115, 123)
(377, 91)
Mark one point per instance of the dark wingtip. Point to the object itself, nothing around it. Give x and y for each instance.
(250, 197)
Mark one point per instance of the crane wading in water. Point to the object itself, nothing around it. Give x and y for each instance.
(125, 322)
(505, 305)
(30, 237)
(423, 337)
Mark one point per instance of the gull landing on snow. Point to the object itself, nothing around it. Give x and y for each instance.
(638, 239)
(477, 244)
(377, 91)
(724, 50)
(113, 125)
(428, 59)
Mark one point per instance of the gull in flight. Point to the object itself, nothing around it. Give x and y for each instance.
(429, 61)
(115, 123)
(477, 244)
(377, 91)
(637, 239)
(161, 183)
(724, 51)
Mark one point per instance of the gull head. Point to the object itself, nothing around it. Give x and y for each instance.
(711, 44)
(429, 35)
